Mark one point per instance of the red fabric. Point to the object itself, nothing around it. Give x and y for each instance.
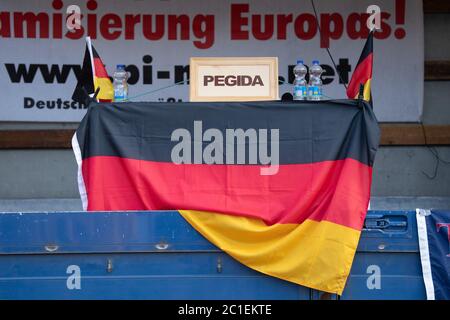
(99, 67)
(362, 73)
(335, 191)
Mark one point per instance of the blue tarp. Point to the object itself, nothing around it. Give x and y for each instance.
(434, 241)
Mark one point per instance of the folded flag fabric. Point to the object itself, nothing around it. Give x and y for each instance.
(433, 228)
(363, 72)
(93, 77)
(282, 188)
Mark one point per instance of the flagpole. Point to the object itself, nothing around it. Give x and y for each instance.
(89, 46)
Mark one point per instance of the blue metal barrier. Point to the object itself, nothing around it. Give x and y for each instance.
(158, 255)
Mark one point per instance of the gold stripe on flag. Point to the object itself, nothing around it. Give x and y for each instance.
(106, 88)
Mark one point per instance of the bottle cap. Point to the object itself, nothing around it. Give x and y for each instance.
(120, 66)
(316, 62)
(299, 61)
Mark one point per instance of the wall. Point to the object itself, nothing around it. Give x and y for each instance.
(398, 171)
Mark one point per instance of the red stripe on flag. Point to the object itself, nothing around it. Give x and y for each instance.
(335, 191)
(100, 71)
(362, 73)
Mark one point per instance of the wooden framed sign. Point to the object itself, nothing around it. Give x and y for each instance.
(234, 79)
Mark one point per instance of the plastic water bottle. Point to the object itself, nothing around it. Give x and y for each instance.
(120, 83)
(300, 85)
(315, 82)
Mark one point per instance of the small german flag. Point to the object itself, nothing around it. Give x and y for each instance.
(93, 77)
(363, 72)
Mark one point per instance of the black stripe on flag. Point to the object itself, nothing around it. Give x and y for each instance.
(85, 85)
(308, 133)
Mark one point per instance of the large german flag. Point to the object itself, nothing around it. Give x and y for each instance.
(93, 77)
(363, 72)
(301, 222)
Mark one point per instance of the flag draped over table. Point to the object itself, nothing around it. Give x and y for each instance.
(93, 77)
(363, 72)
(300, 221)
